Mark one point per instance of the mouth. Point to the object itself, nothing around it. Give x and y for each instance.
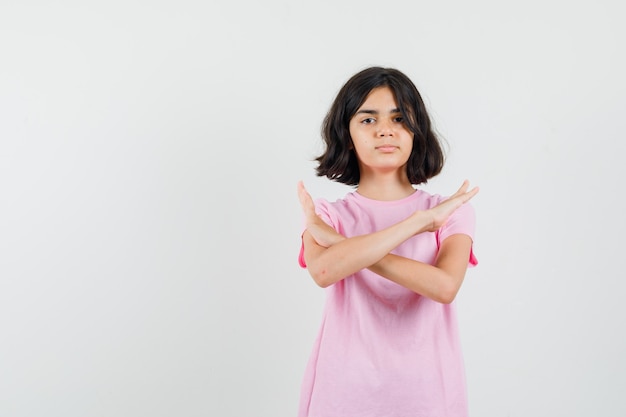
(386, 148)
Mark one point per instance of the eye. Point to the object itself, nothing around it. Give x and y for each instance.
(368, 121)
(398, 119)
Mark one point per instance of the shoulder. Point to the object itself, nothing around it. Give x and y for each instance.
(334, 211)
(427, 200)
(462, 221)
(431, 200)
(322, 204)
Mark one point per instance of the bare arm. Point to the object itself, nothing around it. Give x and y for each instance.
(328, 265)
(440, 282)
(331, 257)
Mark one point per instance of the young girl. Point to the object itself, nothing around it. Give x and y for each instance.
(391, 257)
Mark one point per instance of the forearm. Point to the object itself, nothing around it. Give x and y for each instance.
(349, 255)
(441, 281)
(419, 277)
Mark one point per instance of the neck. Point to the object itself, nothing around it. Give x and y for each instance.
(394, 186)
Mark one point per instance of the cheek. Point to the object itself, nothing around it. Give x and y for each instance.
(409, 140)
(360, 145)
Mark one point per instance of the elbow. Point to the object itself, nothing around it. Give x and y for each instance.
(446, 298)
(322, 283)
(447, 289)
(321, 277)
(447, 294)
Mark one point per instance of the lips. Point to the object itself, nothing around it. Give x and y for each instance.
(386, 148)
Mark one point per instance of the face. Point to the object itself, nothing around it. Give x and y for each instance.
(381, 140)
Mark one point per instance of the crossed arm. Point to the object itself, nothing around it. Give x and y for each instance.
(330, 257)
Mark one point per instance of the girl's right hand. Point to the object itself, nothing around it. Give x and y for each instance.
(322, 233)
(440, 213)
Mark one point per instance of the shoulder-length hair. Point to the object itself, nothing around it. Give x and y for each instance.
(339, 161)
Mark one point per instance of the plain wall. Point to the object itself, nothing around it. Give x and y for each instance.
(149, 225)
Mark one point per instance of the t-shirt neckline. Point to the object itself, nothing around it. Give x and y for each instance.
(368, 200)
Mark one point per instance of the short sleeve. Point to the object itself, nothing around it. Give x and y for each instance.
(462, 221)
(324, 210)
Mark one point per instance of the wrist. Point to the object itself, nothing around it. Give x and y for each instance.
(423, 221)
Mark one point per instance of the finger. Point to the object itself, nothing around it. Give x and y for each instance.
(469, 194)
(303, 195)
(306, 201)
(473, 192)
(462, 189)
(301, 188)
(463, 195)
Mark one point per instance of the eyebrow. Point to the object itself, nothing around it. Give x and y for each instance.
(367, 111)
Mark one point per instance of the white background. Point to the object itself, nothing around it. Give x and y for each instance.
(149, 226)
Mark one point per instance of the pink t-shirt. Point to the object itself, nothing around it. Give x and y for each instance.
(383, 350)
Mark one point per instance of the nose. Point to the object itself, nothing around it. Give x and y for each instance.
(384, 128)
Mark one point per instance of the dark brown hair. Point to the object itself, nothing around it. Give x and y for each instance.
(339, 161)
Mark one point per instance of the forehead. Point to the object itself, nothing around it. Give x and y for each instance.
(381, 94)
(380, 97)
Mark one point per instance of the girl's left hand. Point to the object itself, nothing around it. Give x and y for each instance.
(440, 213)
(323, 234)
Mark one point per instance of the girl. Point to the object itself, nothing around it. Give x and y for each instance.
(391, 257)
